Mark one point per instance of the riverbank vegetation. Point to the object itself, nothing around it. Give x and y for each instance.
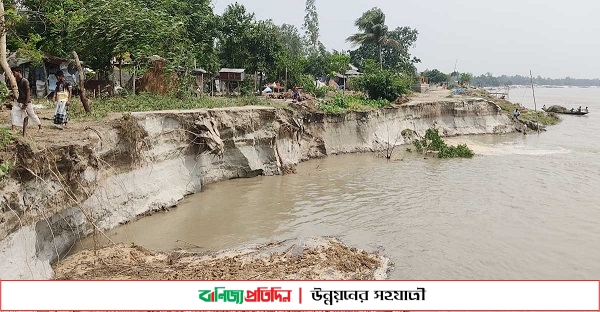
(350, 102)
(122, 39)
(152, 102)
(432, 143)
(7, 138)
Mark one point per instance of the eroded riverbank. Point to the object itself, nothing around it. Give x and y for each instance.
(147, 162)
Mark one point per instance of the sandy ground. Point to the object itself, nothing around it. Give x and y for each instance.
(79, 131)
(311, 259)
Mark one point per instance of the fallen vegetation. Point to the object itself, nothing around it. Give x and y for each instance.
(314, 260)
(432, 143)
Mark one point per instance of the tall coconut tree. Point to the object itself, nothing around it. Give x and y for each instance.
(373, 31)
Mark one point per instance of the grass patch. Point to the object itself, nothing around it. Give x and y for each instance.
(7, 138)
(343, 103)
(149, 102)
(545, 119)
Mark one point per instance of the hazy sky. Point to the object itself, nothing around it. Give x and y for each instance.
(552, 38)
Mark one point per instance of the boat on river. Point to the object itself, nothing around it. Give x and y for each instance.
(575, 112)
(562, 110)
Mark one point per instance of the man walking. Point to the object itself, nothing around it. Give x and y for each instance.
(62, 97)
(23, 107)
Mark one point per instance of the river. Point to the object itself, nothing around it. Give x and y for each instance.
(526, 207)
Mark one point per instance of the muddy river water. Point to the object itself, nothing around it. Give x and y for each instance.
(526, 207)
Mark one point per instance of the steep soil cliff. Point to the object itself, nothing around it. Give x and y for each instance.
(145, 162)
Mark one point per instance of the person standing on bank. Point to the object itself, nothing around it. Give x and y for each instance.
(23, 108)
(62, 97)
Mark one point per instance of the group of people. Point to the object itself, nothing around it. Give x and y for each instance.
(22, 112)
(295, 92)
(579, 110)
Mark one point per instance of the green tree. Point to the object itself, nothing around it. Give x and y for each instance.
(291, 40)
(382, 84)
(311, 25)
(373, 31)
(200, 28)
(291, 59)
(263, 51)
(318, 63)
(339, 62)
(465, 78)
(129, 26)
(49, 24)
(435, 76)
(235, 26)
(395, 58)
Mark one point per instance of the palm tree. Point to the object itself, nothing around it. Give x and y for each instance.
(374, 31)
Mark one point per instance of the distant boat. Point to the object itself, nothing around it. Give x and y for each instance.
(579, 113)
(562, 110)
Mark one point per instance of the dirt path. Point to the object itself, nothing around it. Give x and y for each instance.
(78, 131)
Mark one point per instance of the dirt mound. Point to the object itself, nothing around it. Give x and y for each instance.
(327, 260)
(157, 80)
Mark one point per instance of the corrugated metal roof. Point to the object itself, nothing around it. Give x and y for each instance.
(232, 70)
(197, 71)
(353, 73)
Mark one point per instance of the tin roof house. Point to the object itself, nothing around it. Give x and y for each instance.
(43, 77)
(230, 80)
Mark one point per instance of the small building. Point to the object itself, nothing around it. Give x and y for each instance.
(200, 83)
(232, 74)
(230, 79)
(42, 79)
(352, 72)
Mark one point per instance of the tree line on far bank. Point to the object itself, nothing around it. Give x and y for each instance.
(489, 80)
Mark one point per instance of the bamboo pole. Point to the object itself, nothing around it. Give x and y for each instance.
(537, 117)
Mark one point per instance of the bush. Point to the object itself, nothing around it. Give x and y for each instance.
(434, 143)
(383, 85)
(4, 93)
(247, 87)
(5, 168)
(6, 137)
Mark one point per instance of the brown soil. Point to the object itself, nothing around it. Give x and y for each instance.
(77, 131)
(329, 260)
